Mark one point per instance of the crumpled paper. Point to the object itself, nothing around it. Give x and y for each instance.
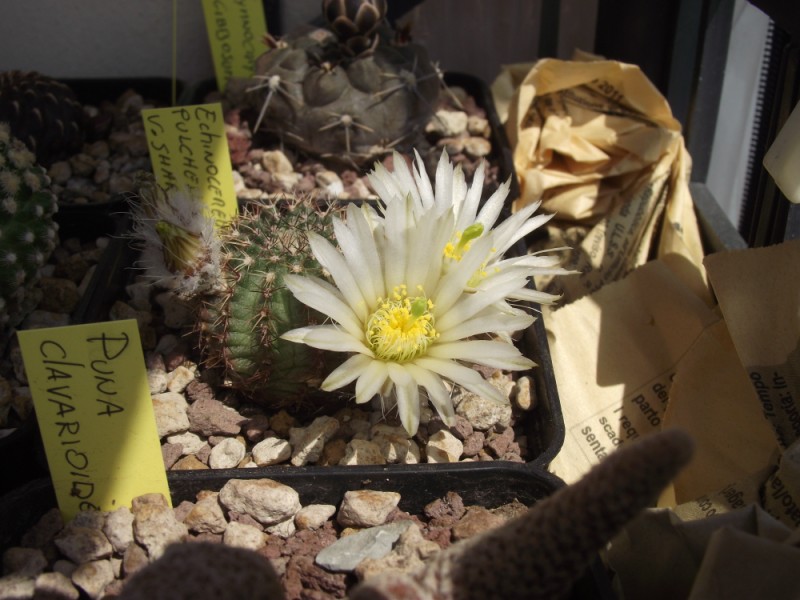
(597, 143)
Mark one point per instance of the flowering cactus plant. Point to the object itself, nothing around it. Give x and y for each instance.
(422, 289)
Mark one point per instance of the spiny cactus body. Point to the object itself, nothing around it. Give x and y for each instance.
(234, 279)
(28, 233)
(348, 94)
(242, 319)
(42, 112)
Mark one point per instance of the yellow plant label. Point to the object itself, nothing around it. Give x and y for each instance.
(93, 405)
(189, 150)
(235, 31)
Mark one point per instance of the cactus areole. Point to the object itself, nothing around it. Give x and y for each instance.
(346, 94)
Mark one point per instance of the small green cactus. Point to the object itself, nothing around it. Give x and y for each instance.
(28, 233)
(234, 278)
(242, 320)
(348, 93)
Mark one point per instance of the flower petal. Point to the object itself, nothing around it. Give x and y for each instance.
(467, 378)
(327, 337)
(467, 305)
(469, 209)
(359, 249)
(407, 393)
(371, 381)
(325, 298)
(451, 286)
(437, 392)
(494, 321)
(348, 371)
(494, 206)
(330, 258)
(499, 355)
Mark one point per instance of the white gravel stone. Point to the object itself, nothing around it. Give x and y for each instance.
(395, 445)
(271, 451)
(242, 535)
(227, 454)
(93, 577)
(139, 294)
(477, 147)
(24, 561)
(170, 410)
(362, 452)
(478, 126)
(275, 161)
(366, 508)
(83, 544)
(283, 529)
(308, 442)
(16, 587)
(155, 527)
(267, 501)
(483, 414)
(55, 585)
(523, 393)
(443, 447)
(190, 442)
(206, 516)
(447, 123)
(314, 516)
(118, 528)
(180, 378)
(177, 313)
(157, 381)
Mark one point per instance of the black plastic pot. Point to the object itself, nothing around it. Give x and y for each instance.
(481, 484)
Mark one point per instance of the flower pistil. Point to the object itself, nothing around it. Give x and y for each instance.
(402, 328)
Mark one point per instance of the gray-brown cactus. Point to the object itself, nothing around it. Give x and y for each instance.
(348, 93)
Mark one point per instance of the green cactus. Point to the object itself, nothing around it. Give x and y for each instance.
(242, 320)
(348, 93)
(28, 233)
(234, 278)
(43, 113)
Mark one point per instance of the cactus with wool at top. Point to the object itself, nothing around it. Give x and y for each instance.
(349, 93)
(28, 233)
(234, 279)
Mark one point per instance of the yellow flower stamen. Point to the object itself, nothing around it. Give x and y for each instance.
(402, 328)
(455, 250)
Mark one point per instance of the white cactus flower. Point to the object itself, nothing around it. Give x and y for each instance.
(422, 291)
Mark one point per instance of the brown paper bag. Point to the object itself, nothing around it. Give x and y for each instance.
(597, 142)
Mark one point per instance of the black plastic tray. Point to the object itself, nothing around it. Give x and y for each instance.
(481, 484)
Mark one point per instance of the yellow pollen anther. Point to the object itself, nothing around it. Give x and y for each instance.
(455, 250)
(401, 329)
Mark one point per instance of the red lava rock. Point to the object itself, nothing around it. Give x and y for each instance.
(171, 453)
(176, 357)
(307, 542)
(462, 429)
(473, 443)
(498, 443)
(303, 577)
(211, 417)
(443, 512)
(476, 520)
(256, 428)
(199, 390)
(440, 535)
